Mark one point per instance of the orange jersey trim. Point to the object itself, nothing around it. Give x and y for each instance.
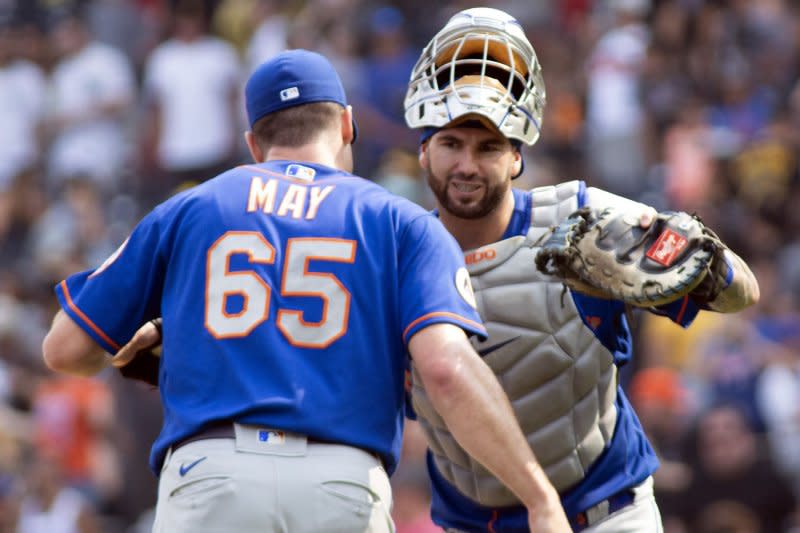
(85, 318)
(679, 318)
(443, 314)
(492, 522)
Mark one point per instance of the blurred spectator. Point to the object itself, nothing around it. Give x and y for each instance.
(765, 172)
(120, 24)
(743, 109)
(22, 202)
(778, 386)
(234, 21)
(191, 85)
(269, 37)
(665, 84)
(73, 418)
(615, 120)
(768, 36)
(92, 92)
(29, 36)
(50, 506)
(341, 47)
(399, 173)
(734, 486)
(728, 364)
(694, 104)
(73, 230)
(138, 420)
(665, 410)
(664, 343)
(778, 396)
(379, 102)
(689, 165)
(22, 98)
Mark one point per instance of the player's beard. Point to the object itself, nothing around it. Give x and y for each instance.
(492, 195)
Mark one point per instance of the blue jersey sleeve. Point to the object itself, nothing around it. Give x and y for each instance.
(111, 302)
(434, 284)
(682, 311)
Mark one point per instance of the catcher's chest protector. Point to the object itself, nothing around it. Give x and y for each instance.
(560, 379)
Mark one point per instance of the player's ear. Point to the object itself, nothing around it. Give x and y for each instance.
(348, 133)
(423, 155)
(516, 166)
(255, 150)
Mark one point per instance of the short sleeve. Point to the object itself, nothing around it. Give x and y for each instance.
(434, 283)
(682, 311)
(111, 302)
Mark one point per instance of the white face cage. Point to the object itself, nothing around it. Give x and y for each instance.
(480, 65)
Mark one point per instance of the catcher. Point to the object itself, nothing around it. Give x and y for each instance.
(477, 95)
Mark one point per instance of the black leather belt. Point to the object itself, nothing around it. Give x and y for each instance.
(218, 430)
(622, 499)
(225, 430)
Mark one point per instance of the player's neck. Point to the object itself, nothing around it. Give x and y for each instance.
(477, 232)
(318, 153)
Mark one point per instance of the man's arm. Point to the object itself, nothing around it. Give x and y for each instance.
(465, 392)
(741, 292)
(69, 349)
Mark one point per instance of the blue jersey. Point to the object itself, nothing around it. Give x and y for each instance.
(288, 293)
(627, 461)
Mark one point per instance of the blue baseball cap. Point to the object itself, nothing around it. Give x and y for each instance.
(292, 78)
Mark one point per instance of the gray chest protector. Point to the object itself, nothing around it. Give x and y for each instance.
(560, 379)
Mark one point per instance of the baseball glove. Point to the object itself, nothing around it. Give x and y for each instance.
(143, 366)
(609, 255)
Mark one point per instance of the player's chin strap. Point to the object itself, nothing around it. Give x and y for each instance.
(430, 131)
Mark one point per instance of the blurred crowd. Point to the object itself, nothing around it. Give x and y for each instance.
(107, 107)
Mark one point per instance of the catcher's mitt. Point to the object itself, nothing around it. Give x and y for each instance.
(608, 254)
(144, 364)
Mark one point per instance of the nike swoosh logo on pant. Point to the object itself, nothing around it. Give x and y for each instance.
(185, 468)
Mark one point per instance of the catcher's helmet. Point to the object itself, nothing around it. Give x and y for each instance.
(480, 65)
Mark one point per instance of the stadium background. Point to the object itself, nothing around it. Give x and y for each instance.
(684, 104)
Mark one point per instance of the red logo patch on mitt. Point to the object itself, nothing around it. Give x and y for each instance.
(667, 248)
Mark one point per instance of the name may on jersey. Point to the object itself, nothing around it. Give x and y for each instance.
(299, 201)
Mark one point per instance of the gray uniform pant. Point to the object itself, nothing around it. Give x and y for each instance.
(271, 481)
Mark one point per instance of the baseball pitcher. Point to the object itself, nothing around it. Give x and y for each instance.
(290, 290)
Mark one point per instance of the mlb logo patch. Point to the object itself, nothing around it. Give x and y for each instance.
(667, 248)
(271, 437)
(290, 94)
(301, 172)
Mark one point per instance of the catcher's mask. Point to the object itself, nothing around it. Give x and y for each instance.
(480, 64)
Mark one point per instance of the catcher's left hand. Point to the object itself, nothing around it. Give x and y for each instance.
(140, 358)
(609, 254)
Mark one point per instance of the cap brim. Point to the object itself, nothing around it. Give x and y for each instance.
(473, 117)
